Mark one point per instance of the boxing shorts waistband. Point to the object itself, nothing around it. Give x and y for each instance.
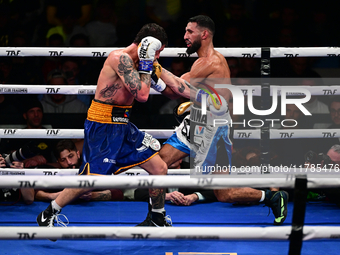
(107, 113)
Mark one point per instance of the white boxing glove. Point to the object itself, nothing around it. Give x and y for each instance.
(215, 106)
(146, 52)
(218, 108)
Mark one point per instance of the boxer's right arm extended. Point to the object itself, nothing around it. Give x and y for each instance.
(177, 87)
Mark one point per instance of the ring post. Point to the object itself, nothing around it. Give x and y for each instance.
(265, 104)
(300, 198)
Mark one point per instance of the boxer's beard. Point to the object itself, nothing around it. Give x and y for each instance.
(194, 47)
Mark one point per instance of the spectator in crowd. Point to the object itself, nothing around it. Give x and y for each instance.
(166, 13)
(41, 149)
(291, 151)
(334, 109)
(314, 105)
(14, 195)
(5, 24)
(71, 68)
(233, 36)
(50, 63)
(234, 66)
(9, 108)
(69, 157)
(330, 160)
(61, 103)
(89, 68)
(102, 30)
(68, 26)
(26, 68)
(322, 145)
(55, 8)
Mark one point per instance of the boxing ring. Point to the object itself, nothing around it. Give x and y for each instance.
(213, 228)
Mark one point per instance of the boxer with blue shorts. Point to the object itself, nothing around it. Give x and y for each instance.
(112, 144)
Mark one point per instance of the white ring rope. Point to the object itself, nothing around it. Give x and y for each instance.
(104, 52)
(142, 233)
(91, 89)
(245, 170)
(68, 133)
(157, 181)
(57, 171)
(275, 52)
(55, 89)
(166, 133)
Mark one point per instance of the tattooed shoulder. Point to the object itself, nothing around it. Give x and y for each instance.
(110, 90)
(125, 65)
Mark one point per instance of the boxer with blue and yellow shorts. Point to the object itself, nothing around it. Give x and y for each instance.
(112, 144)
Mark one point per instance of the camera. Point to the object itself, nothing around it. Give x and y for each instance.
(29, 150)
(317, 158)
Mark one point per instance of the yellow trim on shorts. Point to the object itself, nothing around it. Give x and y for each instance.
(102, 113)
(127, 167)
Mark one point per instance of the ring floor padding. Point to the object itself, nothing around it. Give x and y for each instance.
(132, 213)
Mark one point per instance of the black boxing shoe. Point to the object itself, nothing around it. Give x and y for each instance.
(160, 219)
(147, 221)
(47, 217)
(278, 202)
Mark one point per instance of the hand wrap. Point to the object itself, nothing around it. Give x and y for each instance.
(156, 82)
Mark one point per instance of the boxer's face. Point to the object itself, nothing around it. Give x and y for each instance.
(192, 37)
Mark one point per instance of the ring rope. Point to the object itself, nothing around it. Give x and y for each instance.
(275, 52)
(166, 133)
(68, 133)
(207, 233)
(170, 181)
(104, 52)
(58, 171)
(246, 170)
(91, 89)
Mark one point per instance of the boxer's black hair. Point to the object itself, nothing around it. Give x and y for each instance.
(204, 21)
(154, 30)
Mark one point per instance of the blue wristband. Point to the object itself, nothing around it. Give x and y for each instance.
(145, 65)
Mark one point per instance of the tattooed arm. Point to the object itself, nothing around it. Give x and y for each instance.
(137, 84)
(176, 86)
